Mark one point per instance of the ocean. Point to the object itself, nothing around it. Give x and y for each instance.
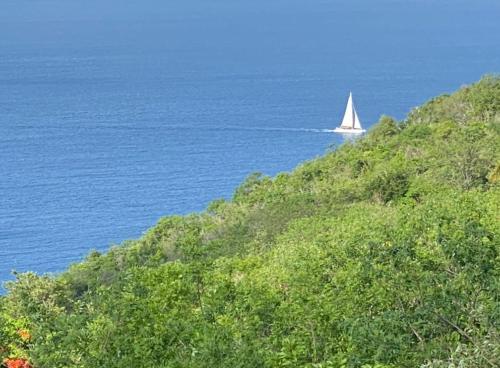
(116, 113)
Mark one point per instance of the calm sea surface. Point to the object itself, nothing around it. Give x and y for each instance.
(115, 113)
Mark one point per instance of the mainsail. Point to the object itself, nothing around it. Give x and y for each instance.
(350, 122)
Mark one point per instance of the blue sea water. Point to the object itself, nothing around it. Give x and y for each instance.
(116, 113)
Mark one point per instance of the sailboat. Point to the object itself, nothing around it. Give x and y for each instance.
(350, 122)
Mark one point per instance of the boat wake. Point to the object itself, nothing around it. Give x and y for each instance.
(278, 129)
(155, 127)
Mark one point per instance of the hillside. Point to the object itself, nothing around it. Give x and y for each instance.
(383, 253)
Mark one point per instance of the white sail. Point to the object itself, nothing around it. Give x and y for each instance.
(350, 122)
(357, 123)
(349, 115)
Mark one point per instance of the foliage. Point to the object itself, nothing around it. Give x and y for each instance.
(383, 253)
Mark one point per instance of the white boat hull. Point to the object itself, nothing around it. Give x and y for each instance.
(349, 131)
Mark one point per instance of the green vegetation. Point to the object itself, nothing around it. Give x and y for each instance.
(383, 253)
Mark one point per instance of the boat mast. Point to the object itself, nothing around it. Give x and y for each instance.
(353, 112)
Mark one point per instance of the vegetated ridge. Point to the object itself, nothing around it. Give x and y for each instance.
(383, 253)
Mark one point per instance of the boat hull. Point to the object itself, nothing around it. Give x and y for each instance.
(349, 131)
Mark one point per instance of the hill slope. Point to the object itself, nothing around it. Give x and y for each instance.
(383, 253)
